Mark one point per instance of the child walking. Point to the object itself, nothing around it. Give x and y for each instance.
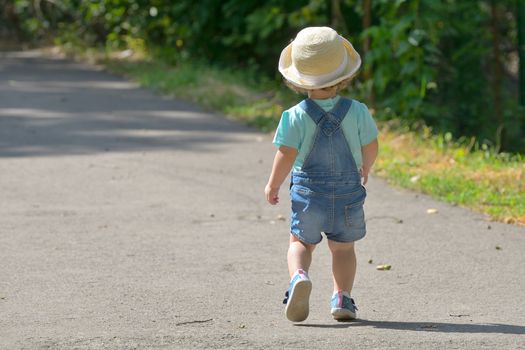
(330, 144)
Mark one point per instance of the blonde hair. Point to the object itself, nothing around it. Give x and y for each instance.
(339, 87)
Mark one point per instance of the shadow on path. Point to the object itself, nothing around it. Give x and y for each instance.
(490, 328)
(58, 107)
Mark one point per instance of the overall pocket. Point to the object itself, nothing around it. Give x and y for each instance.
(355, 215)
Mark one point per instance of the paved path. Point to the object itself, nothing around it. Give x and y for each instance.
(133, 221)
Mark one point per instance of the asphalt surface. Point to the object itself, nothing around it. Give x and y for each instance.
(130, 220)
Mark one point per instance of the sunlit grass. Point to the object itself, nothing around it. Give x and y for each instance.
(216, 89)
(460, 173)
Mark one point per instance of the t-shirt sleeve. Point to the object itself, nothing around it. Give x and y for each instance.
(287, 133)
(367, 126)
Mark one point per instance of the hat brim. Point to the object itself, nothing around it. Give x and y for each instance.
(285, 65)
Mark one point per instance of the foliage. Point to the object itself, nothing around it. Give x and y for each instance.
(430, 62)
(409, 39)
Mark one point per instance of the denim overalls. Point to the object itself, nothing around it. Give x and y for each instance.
(327, 195)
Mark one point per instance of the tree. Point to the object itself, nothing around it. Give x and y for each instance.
(338, 22)
(520, 16)
(497, 75)
(367, 22)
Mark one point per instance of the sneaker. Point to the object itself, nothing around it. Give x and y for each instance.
(343, 307)
(297, 297)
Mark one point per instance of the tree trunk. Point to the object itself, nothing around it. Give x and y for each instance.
(520, 18)
(367, 21)
(497, 75)
(337, 20)
(367, 73)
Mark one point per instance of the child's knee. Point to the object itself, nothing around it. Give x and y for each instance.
(340, 246)
(295, 240)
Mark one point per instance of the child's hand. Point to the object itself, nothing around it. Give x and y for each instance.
(364, 174)
(272, 195)
(369, 156)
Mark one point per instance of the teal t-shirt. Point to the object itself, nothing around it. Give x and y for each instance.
(296, 129)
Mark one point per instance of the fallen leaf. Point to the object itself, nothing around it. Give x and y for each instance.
(370, 261)
(415, 179)
(384, 267)
(281, 217)
(432, 211)
(498, 247)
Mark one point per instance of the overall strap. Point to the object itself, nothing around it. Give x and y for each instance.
(317, 113)
(312, 109)
(330, 153)
(341, 108)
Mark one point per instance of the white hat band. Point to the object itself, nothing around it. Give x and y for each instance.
(321, 79)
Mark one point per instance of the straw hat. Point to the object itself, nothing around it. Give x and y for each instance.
(318, 58)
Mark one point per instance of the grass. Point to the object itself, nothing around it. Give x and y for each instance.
(459, 172)
(229, 92)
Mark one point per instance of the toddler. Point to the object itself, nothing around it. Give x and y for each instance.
(329, 143)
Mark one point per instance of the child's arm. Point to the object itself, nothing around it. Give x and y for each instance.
(282, 164)
(369, 152)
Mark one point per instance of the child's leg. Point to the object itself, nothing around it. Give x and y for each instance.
(298, 294)
(299, 255)
(343, 265)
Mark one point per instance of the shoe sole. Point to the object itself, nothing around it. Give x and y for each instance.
(297, 308)
(341, 314)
